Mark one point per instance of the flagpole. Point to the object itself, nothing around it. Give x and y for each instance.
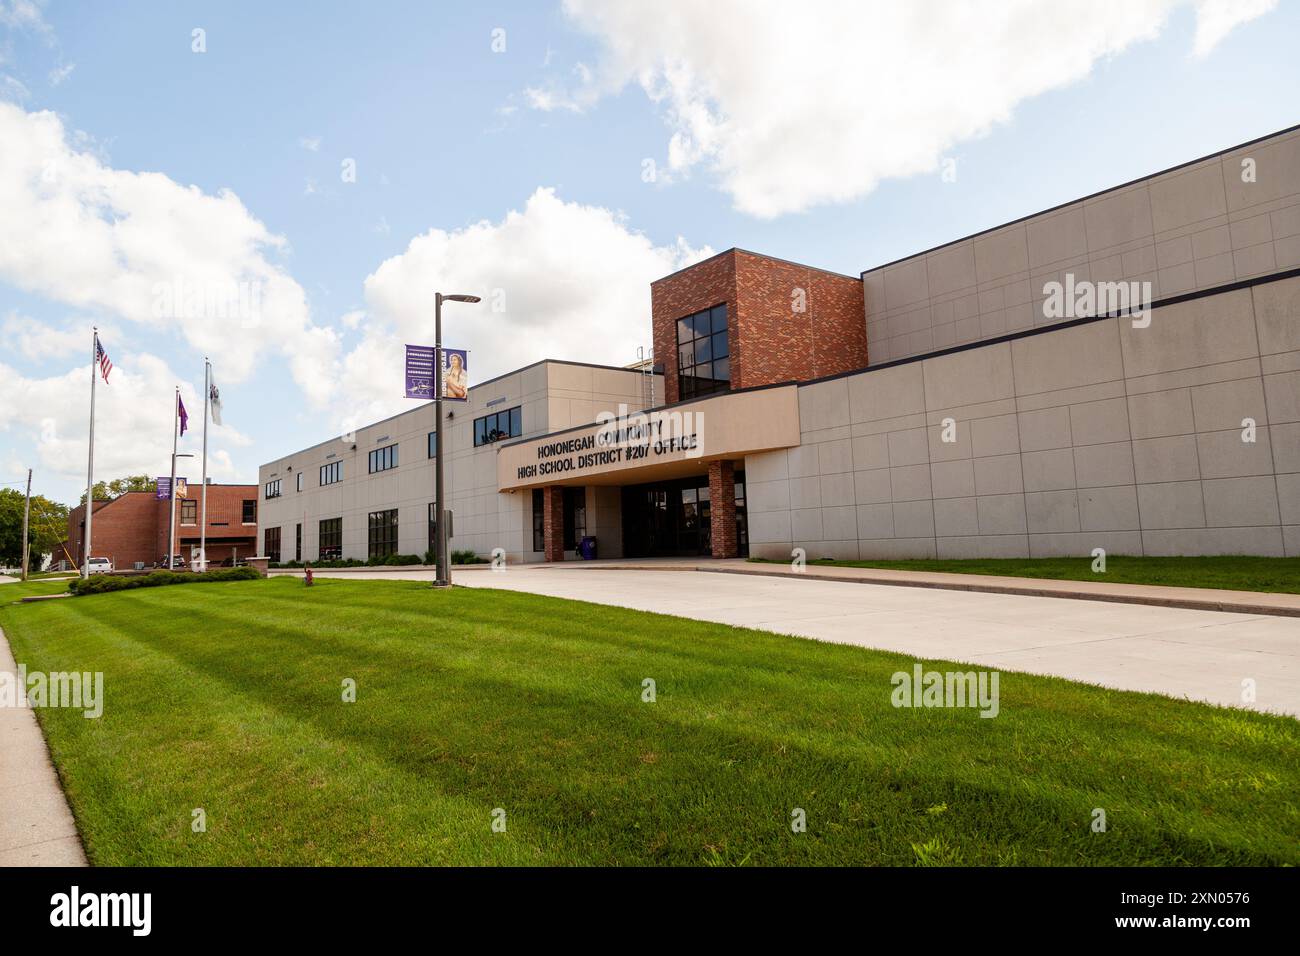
(171, 492)
(203, 520)
(90, 457)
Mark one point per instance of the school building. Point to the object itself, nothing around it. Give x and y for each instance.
(1121, 371)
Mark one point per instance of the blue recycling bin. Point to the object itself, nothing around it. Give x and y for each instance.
(587, 548)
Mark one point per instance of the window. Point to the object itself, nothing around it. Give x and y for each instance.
(300, 474)
(189, 511)
(703, 363)
(297, 541)
(575, 517)
(250, 511)
(331, 473)
(498, 425)
(331, 539)
(433, 444)
(382, 459)
(273, 489)
(383, 533)
(539, 520)
(271, 543)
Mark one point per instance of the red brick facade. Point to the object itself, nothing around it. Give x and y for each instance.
(133, 527)
(786, 322)
(722, 509)
(553, 522)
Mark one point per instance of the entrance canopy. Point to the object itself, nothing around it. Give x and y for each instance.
(669, 442)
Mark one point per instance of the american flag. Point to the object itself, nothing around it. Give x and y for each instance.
(105, 363)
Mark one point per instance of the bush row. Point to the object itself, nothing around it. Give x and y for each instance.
(102, 583)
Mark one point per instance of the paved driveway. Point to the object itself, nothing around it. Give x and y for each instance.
(1204, 655)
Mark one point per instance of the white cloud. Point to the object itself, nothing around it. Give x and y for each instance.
(104, 240)
(61, 73)
(795, 106)
(23, 15)
(572, 281)
(39, 341)
(1215, 19)
(133, 421)
(310, 143)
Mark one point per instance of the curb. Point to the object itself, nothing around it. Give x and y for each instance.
(1187, 603)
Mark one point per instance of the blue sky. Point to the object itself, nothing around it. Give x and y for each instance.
(447, 133)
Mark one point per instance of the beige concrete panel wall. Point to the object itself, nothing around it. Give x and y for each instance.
(1204, 225)
(1098, 436)
(484, 518)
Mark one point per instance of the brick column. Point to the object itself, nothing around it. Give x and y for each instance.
(722, 509)
(553, 522)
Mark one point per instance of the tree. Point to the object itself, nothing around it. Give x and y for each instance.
(108, 490)
(49, 526)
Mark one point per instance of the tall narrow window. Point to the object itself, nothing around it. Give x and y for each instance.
(539, 520)
(383, 533)
(331, 539)
(703, 358)
(271, 543)
(297, 543)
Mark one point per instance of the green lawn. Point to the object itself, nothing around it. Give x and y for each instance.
(1233, 572)
(227, 697)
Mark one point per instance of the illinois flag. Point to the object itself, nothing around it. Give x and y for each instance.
(214, 399)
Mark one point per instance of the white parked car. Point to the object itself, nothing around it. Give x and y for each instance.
(99, 566)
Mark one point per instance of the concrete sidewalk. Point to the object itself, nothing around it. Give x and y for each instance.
(1155, 595)
(1200, 654)
(36, 826)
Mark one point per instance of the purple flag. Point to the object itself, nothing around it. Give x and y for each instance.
(185, 418)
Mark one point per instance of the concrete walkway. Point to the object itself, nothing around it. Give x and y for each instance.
(1181, 652)
(36, 826)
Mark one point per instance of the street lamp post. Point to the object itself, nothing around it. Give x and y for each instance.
(442, 576)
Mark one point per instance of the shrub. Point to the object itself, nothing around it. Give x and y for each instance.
(401, 560)
(468, 556)
(104, 583)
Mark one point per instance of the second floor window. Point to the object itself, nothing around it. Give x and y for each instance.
(189, 511)
(300, 474)
(498, 425)
(382, 459)
(331, 473)
(433, 444)
(250, 512)
(703, 359)
(273, 489)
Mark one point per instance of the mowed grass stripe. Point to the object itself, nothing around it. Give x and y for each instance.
(184, 754)
(477, 699)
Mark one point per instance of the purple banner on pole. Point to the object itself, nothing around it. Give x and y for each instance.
(419, 371)
(164, 485)
(420, 377)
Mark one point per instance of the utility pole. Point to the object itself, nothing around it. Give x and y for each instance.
(27, 511)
